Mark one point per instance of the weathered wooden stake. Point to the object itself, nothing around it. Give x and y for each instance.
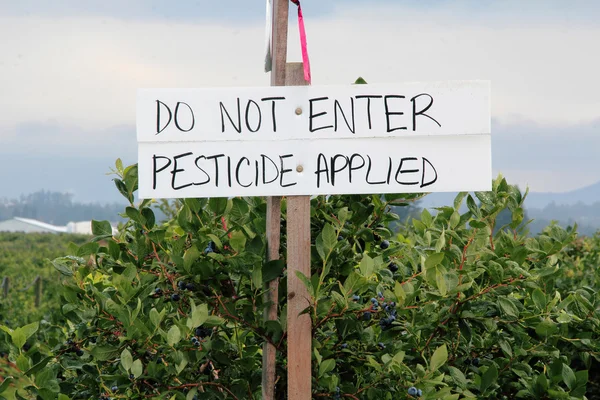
(299, 332)
(38, 291)
(278, 70)
(5, 286)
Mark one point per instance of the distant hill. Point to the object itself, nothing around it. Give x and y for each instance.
(587, 195)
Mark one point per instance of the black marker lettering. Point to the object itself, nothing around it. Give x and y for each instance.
(319, 171)
(248, 116)
(336, 106)
(284, 171)
(408, 171)
(273, 114)
(229, 170)
(237, 172)
(352, 167)
(369, 172)
(256, 173)
(389, 113)
(158, 127)
(237, 127)
(423, 184)
(369, 97)
(176, 170)
(312, 116)
(422, 112)
(201, 169)
(264, 170)
(334, 170)
(216, 158)
(177, 117)
(156, 171)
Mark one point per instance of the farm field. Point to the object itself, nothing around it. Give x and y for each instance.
(448, 304)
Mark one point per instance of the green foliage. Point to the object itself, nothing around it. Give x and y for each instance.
(449, 305)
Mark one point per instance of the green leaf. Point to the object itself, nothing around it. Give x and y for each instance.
(360, 81)
(199, 315)
(62, 268)
(439, 358)
(104, 353)
(18, 338)
(101, 228)
(507, 307)
(458, 376)
(237, 241)
(7, 382)
(441, 282)
(539, 299)
(173, 336)
(134, 214)
(272, 270)
(42, 380)
(568, 376)
(155, 317)
(137, 368)
(434, 260)
(191, 394)
(23, 362)
(490, 376)
(546, 328)
(217, 205)
(189, 257)
(39, 366)
(326, 366)
(148, 216)
(126, 359)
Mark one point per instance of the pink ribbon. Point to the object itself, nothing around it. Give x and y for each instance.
(305, 60)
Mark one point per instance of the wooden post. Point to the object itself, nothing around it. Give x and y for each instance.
(5, 286)
(278, 69)
(38, 291)
(299, 332)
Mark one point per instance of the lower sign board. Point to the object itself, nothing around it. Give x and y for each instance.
(300, 162)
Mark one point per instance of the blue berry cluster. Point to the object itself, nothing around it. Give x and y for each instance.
(413, 391)
(337, 395)
(211, 248)
(391, 314)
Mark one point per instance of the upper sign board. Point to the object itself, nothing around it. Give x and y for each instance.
(308, 140)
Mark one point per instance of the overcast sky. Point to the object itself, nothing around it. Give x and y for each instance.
(70, 69)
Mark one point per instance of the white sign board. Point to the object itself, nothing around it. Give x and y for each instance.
(311, 140)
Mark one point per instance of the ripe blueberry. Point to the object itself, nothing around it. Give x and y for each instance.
(114, 388)
(367, 316)
(385, 244)
(373, 300)
(175, 297)
(381, 345)
(208, 250)
(476, 361)
(190, 286)
(181, 285)
(158, 291)
(419, 393)
(355, 297)
(412, 391)
(79, 352)
(344, 346)
(393, 267)
(131, 376)
(340, 238)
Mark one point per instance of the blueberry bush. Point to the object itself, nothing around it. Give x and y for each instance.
(448, 306)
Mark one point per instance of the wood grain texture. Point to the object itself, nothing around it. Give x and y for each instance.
(280, 38)
(298, 259)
